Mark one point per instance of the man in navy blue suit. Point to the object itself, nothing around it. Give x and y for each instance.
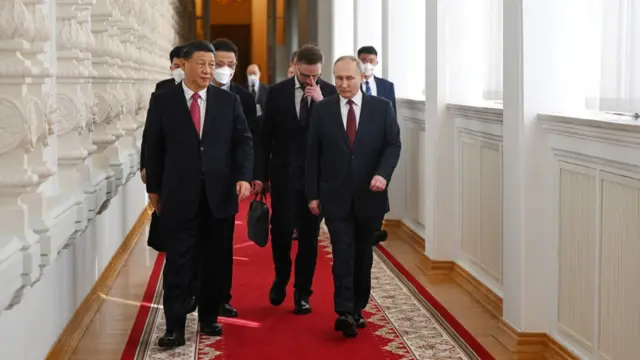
(373, 85)
(199, 162)
(376, 86)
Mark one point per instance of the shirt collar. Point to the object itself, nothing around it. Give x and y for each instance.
(357, 99)
(296, 82)
(188, 92)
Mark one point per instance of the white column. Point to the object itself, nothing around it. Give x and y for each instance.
(438, 155)
(542, 73)
(71, 86)
(52, 213)
(368, 28)
(21, 127)
(326, 33)
(384, 41)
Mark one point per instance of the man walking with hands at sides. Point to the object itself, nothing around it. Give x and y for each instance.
(199, 162)
(354, 147)
(284, 141)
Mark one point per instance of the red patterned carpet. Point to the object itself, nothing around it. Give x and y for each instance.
(404, 320)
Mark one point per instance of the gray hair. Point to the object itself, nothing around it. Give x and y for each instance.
(352, 58)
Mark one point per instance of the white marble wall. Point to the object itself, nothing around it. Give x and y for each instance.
(75, 80)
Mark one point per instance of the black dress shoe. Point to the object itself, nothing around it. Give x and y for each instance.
(229, 311)
(302, 306)
(360, 322)
(171, 340)
(211, 329)
(193, 305)
(278, 293)
(379, 236)
(346, 325)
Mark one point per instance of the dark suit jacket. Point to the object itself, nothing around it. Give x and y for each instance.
(249, 110)
(263, 90)
(385, 90)
(160, 86)
(339, 176)
(284, 136)
(178, 161)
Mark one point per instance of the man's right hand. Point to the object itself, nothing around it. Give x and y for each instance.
(256, 187)
(143, 175)
(154, 200)
(314, 206)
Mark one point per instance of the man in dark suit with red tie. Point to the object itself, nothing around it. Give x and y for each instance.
(284, 140)
(354, 147)
(199, 162)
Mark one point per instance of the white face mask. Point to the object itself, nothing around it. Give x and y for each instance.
(223, 75)
(177, 74)
(368, 69)
(253, 79)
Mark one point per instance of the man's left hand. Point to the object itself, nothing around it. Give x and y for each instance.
(378, 183)
(143, 175)
(243, 189)
(313, 92)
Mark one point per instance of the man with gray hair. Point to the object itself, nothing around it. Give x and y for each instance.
(353, 149)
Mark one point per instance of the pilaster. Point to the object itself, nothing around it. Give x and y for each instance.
(19, 247)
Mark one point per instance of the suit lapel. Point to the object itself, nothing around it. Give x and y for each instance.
(209, 110)
(291, 94)
(338, 121)
(363, 121)
(183, 106)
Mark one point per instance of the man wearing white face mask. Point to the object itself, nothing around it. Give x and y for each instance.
(376, 86)
(225, 66)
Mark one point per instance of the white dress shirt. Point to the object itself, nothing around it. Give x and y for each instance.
(298, 95)
(372, 85)
(202, 101)
(357, 106)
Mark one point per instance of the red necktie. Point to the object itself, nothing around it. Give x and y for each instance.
(351, 123)
(195, 111)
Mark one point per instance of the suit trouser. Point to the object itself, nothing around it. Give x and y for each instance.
(226, 267)
(281, 239)
(351, 242)
(199, 242)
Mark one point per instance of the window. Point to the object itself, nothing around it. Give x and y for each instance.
(493, 50)
(614, 56)
(369, 28)
(406, 53)
(343, 28)
(474, 50)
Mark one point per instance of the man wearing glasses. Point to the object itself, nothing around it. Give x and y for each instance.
(282, 165)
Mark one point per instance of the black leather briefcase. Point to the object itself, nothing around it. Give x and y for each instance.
(258, 221)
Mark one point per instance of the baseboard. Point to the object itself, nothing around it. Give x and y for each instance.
(531, 346)
(522, 345)
(72, 333)
(426, 264)
(481, 292)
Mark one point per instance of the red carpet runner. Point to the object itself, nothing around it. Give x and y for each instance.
(403, 320)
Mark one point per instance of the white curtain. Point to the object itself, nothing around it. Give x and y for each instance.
(493, 50)
(614, 54)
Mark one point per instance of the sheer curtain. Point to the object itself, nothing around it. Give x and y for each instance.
(493, 50)
(615, 57)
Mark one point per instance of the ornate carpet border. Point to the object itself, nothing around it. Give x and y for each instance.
(444, 319)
